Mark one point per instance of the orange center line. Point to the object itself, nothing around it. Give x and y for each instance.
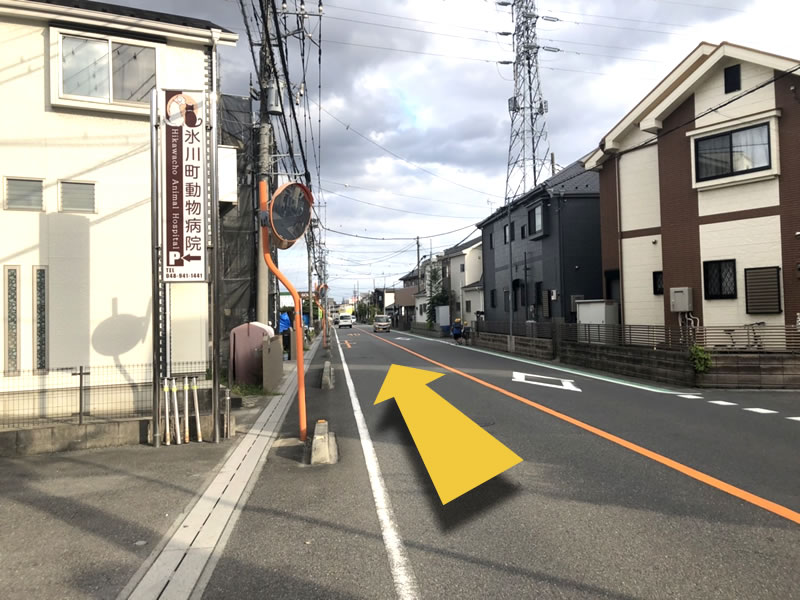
(768, 505)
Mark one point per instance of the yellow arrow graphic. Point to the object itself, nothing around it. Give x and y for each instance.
(457, 452)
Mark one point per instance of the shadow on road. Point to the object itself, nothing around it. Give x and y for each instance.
(463, 509)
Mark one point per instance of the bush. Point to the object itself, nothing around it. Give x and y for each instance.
(700, 359)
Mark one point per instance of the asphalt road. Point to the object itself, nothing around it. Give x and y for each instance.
(626, 490)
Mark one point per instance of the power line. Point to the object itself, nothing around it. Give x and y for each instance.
(379, 14)
(396, 239)
(397, 156)
(412, 212)
(407, 51)
(377, 191)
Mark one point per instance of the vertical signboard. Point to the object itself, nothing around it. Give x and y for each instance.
(184, 185)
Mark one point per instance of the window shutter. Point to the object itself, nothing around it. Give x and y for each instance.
(77, 196)
(763, 290)
(24, 193)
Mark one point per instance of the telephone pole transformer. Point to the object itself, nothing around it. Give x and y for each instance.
(528, 148)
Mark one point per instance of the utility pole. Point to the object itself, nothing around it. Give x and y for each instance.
(309, 249)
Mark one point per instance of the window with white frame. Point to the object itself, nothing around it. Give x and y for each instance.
(24, 194)
(11, 318)
(40, 318)
(733, 153)
(77, 196)
(106, 70)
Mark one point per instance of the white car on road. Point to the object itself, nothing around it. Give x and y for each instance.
(346, 321)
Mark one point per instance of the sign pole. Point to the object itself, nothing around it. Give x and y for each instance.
(154, 235)
(215, 239)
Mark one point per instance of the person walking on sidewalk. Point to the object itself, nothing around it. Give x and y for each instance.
(457, 329)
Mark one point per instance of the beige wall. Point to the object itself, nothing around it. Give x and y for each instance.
(476, 299)
(711, 92)
(639, 190)
(752, 243)
(98, 263)
(641, 258)
(743, 196)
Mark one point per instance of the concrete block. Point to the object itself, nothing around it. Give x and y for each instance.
(327, 376)
(68, 437)
(133, 432)
(8, 443)
(324, 450)
(35, 441)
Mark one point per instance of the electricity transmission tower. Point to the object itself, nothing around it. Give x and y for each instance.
(528, 148)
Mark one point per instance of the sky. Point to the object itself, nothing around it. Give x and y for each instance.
(414, 115)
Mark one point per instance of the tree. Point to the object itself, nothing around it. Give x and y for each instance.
(437, 296)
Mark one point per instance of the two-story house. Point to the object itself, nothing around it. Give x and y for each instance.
(462, 266)
(700, 194)
(75, 191)
(541, 252)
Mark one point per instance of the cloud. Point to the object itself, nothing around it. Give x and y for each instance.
(438, 99)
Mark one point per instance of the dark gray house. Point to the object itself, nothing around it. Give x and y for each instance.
(553, 236)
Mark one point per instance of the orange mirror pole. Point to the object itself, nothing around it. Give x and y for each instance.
(298, 309)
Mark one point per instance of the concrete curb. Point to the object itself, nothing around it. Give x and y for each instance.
(324, 450)
(328, 376)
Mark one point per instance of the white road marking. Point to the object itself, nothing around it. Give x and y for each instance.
(761, 411)
(793, 418)
(722, 403)
(183, 567)
(404, 339)
(564, 384)
(405, 584)
(544, 365)
(690, 396)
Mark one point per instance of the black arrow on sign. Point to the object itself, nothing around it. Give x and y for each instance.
(191, 257)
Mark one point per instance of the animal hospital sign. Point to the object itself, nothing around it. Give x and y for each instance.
(184, 187)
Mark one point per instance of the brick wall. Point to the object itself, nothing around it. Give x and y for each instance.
(768, 371)
(658, 365)
(541, 349)
(680, 229)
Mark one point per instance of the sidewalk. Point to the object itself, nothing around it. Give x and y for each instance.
(81, 524)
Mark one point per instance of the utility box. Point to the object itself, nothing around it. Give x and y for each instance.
(598, 312)
(680, 299)
(442, 316)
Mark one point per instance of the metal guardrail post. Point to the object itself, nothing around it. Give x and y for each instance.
(81, 400)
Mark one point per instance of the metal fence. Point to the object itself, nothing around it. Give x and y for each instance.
(520, 328)
(84, 394)
(753, 338)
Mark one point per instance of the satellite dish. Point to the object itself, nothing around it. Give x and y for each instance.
(290, 213)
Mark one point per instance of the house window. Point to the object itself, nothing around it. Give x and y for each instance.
(522, 232)
(26, 194)
(40, 318)
(508, 237)
(544, 299)
(105, 70)
(77, 197)
(658, 283)
(461, 267)
(468, 306)
(535, 220)
(506, 300)
(491, 241)
(733, 79)
(719, 279)
(763, 290)
(733, 153)
(11, 321)
(493, 298)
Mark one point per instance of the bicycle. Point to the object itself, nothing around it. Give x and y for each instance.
(754, 334)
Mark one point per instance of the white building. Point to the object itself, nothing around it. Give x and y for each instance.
(75, 220)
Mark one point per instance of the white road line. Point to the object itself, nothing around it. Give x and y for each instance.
(722, 403)
(761, 411)
(793, 418)
(405, 584)
(638, 386)
(690, 396)
(193, 548)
